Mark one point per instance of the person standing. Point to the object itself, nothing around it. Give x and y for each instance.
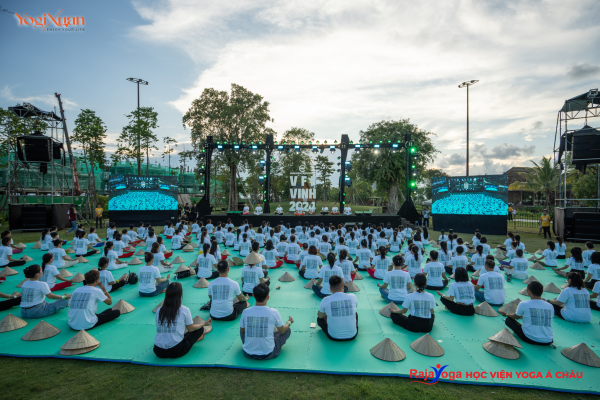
(98, 210)
(545, 218)
(426, 214)
(510, 210)
(72, 213)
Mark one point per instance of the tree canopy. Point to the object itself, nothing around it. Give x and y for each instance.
(142, 121)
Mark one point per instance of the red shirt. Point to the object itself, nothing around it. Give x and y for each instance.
(72, 216)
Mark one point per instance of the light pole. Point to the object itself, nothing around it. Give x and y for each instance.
(143, 82)
(462, 85)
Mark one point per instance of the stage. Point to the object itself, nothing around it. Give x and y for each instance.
(273, 219)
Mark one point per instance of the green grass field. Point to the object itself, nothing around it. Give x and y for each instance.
(69, 379)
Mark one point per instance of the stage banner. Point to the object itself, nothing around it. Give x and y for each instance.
(303, 190)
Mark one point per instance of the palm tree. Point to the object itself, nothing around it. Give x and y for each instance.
(542, 178)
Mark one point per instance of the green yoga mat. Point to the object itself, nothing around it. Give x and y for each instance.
(130, 338)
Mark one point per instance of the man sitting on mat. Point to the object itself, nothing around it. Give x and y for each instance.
(258, 210)
(324, 209)
(84, 304)
(312, 209)
(347, 210)
(279, 210)
(257, 328)
(337, 315)
(221, 292)
(494, 286)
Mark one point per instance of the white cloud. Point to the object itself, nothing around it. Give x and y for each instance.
(48, 100)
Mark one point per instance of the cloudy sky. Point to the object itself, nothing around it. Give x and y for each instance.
(332, 67)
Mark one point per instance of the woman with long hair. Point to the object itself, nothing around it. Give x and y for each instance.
(561, 248)
(176, 332)
(106, 277)
(207, 264)
(113, 257)
(382, 265)
(575, 262)
(573, 303)
(461, 294)
(150, 282)
(414, 261)
(51, 274)
(395, 282)
(159, 257)
(365, 256)
(421, 305)
(435, 273)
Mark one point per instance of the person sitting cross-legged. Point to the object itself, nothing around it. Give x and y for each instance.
(395, 282)
(337, 315)
(537, 317)
(421, 305)
(221, 292)
(493, 283)
(325, 273)
(257, 327)
(84, 304)
(461, 294)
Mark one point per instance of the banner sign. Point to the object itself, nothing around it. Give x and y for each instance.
(303, 190)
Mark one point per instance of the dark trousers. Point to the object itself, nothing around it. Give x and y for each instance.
(118, 285)
(317, 290)
(14, 264)
(182, 348)
(237, 310)
(106, 316)
(88, 254)
(214, 275)
(302, 272)
(268, 283)
(448, 269)
(412, 323)
(426, 222)
(278, 339)
(591, 283)
(593, 305)
(99, 219)
(458, 309)
(510, 216)
(445, 283)
(557, 310)
(8, 303)
(322, 322)
(546, 230)
(517, 328)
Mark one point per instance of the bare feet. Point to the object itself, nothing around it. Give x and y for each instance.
(201, 337)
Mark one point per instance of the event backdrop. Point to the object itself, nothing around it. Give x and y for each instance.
(134, 199)
(467, 203)
(303, 190)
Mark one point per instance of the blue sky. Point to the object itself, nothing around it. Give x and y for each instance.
(331, 67)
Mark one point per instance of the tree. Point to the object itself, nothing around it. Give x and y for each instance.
(541, 178)
(428, 175)
(141, 123)
(90, 134)
(324, 169)
(233, 118)
(168, 144)
(388, 169)
(585, 186)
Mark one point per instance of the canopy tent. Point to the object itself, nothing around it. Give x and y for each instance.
(581, 102)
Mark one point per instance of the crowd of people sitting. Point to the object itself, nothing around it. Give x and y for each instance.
(470, 203)
(143, 201)
(329, 256)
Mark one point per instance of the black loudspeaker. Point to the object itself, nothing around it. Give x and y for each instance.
(586, 147)
(37, 148)
(585, 227)
(56, 149)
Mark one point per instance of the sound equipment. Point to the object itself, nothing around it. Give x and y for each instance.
(586, 147)
(38, 148)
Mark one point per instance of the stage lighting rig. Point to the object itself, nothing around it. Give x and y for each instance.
(280, 147)
(332, 148)
(297, 148)
(315, 149)
(220, 147)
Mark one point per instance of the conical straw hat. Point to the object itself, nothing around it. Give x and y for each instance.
(358, 277)
(582, 354)
(194, 245)
(140, 252)
(427, 346)
(310, 284)
(501, 350)
(81, 340)
(178, 260)
(523, 291)
(286, 277)
(187, 248)
(252, 258)
(538, 266)
(532, 258)
(82, 259)
(539, 252)
(69, 251)
(500, 257)
(69, 264)
(123, 306)
(452, 276)
(387, 310)
(552, 288)
(8, 271)
(486, 310)
(78, 278)
(78, 351)
(155, 309)
(20, 246)
(41, 331)
(530, 279)
(37, 245)
(11, 323)
(26, 258)
(510, 308)
(504, 336)
(237, 261)
(194, 263)
(352, 288)
(64, 273)
(225, 253)
(322, 256)
(230, 262)
(22, 282)
(182, 268)
(476, 273)
(201, 283)
(142, 243)
(387, 350)
(134, 261)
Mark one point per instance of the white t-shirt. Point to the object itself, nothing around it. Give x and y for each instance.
(434, 271)
(419, 304)
(245, 248)
(537, 320)
(574, 264)
(149, 242)
(587, 257)
(229, 239)
(246, 209)
(205, 265)
(478, 260)
(325, 209)
(50, 272)
(279, 210)
(258, 210)
(141, 232)
(561, 249)
(5, 251)
(158, 257)
(251, 276)
(348, 267)
(293, 250)
(312, 264)
(45, 243)
(58, 254)
(92, 237)
(118, 247)
(269, 257)
(463, 292)
(493, 284)
(381, 266)
(176, 242)
(147, 278)
(168, 336)
(334, 209)
(327, 272)
(414, 266)
(395, 244)
(459, 261)
(209, 228)
(520, 266)
(341, 314)
(105, 278)
(222, 291)
(594, 269)
(397, 281)
(259, 323)
(83, 307)
(550, 257)
(33, 293)
(445, 258)
(577, 305)
(597, 290)
(112, 258)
